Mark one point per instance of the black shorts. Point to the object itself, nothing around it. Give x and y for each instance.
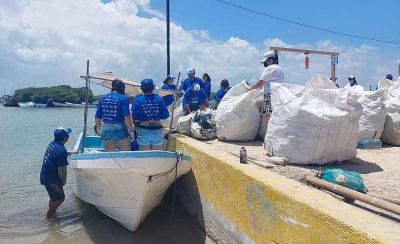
(56, 191)
(267, 107)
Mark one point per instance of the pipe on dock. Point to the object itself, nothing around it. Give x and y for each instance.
(348, 193)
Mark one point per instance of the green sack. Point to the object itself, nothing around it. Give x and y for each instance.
(349, 179)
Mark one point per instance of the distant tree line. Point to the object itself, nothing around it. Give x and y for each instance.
(60, 94)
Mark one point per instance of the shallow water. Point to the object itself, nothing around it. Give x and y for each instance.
(24, 136)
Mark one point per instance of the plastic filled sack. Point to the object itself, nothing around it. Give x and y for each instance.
(203, 125)
(177, 114)
(238, 114)
(315, 125)
(373, 118)
(183, 125)
(391, 131)
(348, 179)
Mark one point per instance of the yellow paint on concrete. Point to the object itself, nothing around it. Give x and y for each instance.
(271, 208)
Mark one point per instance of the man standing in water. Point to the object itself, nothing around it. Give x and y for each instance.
(54, 169)
(271, 73)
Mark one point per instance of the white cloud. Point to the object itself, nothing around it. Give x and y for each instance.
(47, 42)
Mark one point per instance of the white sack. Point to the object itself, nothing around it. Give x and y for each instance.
(391, 131)
(238, 114)
(177, 114)
(314, 126)
(183, 124)
(374, 115)
(384, 84)
(262, 131)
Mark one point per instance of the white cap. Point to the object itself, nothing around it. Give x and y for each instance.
(196, 87)
(190, 71)
(268, 55)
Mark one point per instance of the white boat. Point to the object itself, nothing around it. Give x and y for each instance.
(126, 186)
(26, 105)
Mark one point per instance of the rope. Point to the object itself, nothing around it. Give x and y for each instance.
(178, 160)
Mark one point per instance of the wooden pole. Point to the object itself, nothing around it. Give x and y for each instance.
(333, 72)
(83, 142)
(348, 193)
(172, 115)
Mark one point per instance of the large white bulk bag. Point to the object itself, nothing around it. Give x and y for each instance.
(262, 131)
(177, 114)
(238, 114)
(314, 126)
(391, 131)
(374, 115)
(384, 84)
(183, 125)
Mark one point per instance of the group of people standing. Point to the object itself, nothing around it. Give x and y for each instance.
(115, 123)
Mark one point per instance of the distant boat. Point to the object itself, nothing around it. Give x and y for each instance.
(6, 101)
(26, 105)
(32, 105)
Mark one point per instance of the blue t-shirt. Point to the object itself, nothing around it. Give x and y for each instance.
(194, 99)
(220, 94)
(54, 157)
(187, 83)
(149, 107)
(112, 108)
(169, 99)
(207, 88)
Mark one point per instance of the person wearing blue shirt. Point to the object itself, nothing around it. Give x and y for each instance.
(207, 85)
(224, 88)
(169, 85)
(194, 99)
(53, 174)
(113, 112)
(190, 81)
(148, 109)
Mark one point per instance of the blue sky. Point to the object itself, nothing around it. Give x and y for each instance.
(46, 42)
(379, 19)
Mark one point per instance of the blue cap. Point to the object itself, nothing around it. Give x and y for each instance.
(169, 77)
(190, 71)
(147, 83)
(61, 133)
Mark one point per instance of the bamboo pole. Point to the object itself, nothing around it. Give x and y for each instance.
(86, 108)
(348, 193)
(172, 115)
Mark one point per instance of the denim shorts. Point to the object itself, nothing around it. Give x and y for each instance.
(150, 137)
(114, 132)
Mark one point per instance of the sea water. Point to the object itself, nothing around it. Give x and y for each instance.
(25, 134)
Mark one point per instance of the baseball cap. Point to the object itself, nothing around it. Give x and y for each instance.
(268, 55)
(190, 71)
(196, 87)
(60, 133)
(169, 77)
(147, 83)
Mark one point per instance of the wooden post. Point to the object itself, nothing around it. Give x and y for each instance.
(333, 71)
(83, 142)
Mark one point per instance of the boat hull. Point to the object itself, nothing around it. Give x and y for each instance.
(126, 187)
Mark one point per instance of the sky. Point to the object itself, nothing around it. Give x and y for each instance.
(47, 42)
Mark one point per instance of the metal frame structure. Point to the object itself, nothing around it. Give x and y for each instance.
(334, 56)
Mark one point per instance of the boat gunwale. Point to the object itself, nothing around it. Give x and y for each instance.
(123, 154)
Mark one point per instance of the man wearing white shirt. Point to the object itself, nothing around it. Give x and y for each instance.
(271, 73)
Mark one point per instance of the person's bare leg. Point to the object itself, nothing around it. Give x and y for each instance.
(124, 145)
(109, 145)
(266, 118)
(53, 207)
(144, 147)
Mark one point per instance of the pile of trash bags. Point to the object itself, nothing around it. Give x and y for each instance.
(200, 125)
(317, 124)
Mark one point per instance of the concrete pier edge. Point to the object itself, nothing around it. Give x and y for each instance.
(245, 203)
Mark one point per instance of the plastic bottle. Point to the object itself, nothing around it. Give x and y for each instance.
(243, 155)
(369, 144)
